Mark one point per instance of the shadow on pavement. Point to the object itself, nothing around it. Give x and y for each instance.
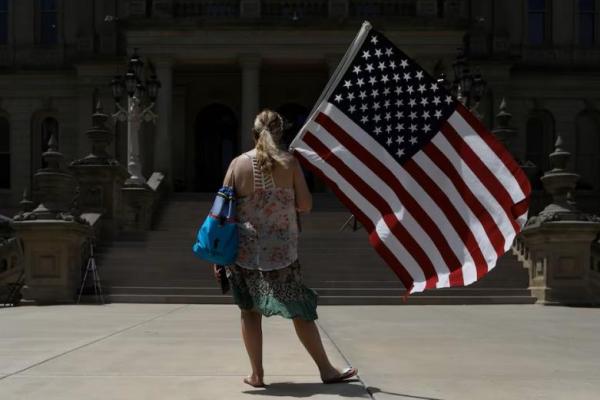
(309, 389)
(374, 390)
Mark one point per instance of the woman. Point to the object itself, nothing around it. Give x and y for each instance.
(266, 279)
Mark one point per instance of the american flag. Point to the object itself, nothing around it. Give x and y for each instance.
(439, 196)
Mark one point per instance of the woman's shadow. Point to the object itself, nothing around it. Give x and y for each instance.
(308, 389)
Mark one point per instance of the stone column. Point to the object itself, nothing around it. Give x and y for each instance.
(164, 109)
(250, 64)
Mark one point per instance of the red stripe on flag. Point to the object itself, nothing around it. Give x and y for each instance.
(444, 203)
(521, 207)
(374, 238)
(390, 179)
(489, 180)
(488, 223)
(502, 153)
(374, 198)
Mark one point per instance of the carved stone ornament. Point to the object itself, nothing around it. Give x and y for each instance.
(100, 137)
(560, 183)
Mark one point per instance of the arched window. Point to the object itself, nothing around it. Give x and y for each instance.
(587, 153)
(540, 140)
(4, 153)
(48, 22)
(538, 21)
(3, 21)
(587, 22)
(49, 127)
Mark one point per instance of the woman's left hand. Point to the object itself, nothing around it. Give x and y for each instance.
(216, 272)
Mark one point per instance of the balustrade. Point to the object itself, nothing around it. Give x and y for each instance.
(382, 8)
(294, 9)
(206, 8)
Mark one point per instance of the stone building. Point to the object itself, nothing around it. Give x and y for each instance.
(220, 61)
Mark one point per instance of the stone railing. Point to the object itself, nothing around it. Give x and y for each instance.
(382, 8)
(519, 249)
(294, 9)
(206, 8)
(10, 259)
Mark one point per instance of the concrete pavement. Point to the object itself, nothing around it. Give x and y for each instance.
(164, 351)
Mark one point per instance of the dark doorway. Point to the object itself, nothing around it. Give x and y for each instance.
(216, 145)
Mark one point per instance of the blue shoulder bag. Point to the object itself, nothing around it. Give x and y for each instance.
(217, 239)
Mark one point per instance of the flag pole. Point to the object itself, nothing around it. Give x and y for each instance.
(337, 74)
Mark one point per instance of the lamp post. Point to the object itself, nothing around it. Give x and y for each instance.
(141, 96)
(467, 87)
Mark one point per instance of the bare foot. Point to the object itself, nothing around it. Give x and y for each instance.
(254, 381)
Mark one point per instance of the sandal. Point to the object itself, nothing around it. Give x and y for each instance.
(348, 373)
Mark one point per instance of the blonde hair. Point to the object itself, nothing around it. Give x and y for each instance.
(267, 130)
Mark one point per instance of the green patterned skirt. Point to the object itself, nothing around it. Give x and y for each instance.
(277, 292)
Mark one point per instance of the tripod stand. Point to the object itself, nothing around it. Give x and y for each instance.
(93, 270)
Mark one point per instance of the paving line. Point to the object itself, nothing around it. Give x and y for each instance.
(93, 342)
(346, 360)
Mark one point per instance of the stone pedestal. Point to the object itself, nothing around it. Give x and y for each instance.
(560, 259)
(53, 259)
(52, 234)
(138, 207)
(503, 131)
(100, 177)
(559, 241)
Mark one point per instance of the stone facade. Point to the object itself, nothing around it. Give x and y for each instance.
(219, 62)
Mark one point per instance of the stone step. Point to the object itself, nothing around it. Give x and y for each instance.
(212, 289)
(159, 266)
(323, 300)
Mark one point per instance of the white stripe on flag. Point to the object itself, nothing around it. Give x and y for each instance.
(487, 200)
(387, 237)
(390, 197)
(487, 155)
(412, 186)
(446, 186)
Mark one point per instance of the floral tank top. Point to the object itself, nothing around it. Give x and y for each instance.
(267, 225)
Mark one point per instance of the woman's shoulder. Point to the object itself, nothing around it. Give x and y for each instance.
(240, 159)
(287, 159)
